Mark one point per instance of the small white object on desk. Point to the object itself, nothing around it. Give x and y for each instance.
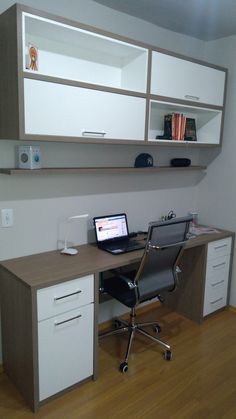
(198, 230)
(70, 250)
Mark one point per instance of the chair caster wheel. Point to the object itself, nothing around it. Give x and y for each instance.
(167, 355)
(123, 367)
(157, 328)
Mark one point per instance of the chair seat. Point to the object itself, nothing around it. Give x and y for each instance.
(122, 288)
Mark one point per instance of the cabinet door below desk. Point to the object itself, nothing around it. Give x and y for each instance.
(65, 351)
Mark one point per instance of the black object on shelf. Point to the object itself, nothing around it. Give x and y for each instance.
(167, 128)
(180, 162)
(143, 160)
(162, 137)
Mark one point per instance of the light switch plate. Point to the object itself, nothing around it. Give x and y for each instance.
(7, 217)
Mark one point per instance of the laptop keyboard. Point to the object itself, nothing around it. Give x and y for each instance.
(125, 246)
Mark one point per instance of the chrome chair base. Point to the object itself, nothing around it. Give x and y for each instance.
(122, 326)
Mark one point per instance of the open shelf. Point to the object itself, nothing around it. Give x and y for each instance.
(72, 53)
(98, 170)
(208, 122)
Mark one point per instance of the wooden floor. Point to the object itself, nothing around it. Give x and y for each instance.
(199, 383)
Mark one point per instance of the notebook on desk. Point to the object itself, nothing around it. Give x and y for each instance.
(112, 234)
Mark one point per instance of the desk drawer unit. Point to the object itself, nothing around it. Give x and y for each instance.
(217, 275)
(65, 334)
(64, 297)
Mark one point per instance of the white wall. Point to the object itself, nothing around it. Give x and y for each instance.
(216, 193)
(40, 203)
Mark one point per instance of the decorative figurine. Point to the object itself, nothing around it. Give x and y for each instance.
(33, 58)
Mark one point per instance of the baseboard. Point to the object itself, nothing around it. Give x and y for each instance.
(143, 309)
(232, 308)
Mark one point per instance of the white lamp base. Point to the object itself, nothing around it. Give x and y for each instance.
(69, 251)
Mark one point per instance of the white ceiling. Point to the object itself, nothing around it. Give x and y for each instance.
(203, 19)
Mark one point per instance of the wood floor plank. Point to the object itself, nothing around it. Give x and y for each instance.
(199, 383)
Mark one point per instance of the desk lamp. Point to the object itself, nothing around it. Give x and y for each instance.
(69, 250)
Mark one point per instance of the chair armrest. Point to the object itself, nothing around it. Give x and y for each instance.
(125, 280)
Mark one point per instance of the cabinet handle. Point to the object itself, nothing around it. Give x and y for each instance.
(68, 320)
(192, 97)
(67, 295)
(218, 283)
(219, 264)
(97, 133)
(216, 301)
(220, 247)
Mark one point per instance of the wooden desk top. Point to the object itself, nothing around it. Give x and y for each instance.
(49, 268)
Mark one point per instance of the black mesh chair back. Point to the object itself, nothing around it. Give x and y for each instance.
(157, 272)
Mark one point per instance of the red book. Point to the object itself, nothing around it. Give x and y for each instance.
(173, 126)
(182, 130)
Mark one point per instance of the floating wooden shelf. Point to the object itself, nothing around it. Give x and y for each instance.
(98, 170)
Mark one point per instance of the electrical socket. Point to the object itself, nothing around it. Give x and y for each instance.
(7, 217)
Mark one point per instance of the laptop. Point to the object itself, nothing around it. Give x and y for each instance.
(112, 234)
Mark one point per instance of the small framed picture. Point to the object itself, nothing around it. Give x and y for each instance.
(32, 58)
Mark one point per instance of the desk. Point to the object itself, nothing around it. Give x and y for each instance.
(24, 293)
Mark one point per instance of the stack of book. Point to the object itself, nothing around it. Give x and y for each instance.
(175, 124)
(179, 128)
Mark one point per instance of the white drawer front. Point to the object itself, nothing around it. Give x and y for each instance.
(62, 110)
(219, 248)
(64, 297)
(218, 269)
(65, 350)
(183, 79)
(214, 299)
(217, 285)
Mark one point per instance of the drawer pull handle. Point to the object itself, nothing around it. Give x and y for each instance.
(216, 301)
(67, 295)
(191, 97)
(219, 264)
(68, 320)
(220, 247)
(97, 133)
(218, 283)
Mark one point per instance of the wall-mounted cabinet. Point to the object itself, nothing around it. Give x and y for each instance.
(173, 77)
(85, 85)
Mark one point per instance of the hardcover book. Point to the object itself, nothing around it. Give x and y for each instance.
(190, 130)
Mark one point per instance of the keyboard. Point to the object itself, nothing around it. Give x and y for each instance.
(125, 246)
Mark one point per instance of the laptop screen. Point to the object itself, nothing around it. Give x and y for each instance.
(111, 227)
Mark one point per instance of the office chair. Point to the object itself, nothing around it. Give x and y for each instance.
(156, 276)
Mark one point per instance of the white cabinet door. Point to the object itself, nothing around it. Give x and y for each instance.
(182, 79)
(62, 110)
(65, 350)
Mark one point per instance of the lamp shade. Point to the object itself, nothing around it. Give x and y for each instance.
(70, 250)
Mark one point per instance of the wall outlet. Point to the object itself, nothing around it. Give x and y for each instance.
(7, 217)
